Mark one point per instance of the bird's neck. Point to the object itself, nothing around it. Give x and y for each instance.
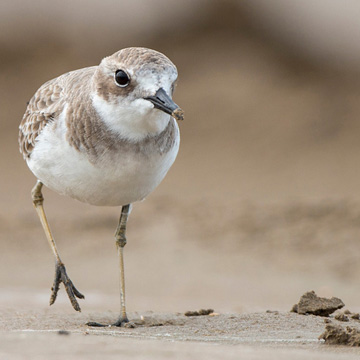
(133, 123)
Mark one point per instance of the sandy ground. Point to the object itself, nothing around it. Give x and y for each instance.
(272, 334)
(262, 204)
(251, 336)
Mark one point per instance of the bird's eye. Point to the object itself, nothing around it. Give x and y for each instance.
(122, 78)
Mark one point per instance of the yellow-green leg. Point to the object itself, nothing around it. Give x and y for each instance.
(120, 238)
(60, 271)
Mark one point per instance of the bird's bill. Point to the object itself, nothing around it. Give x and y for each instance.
(162, 101)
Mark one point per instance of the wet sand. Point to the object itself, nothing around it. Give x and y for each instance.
(271, 335)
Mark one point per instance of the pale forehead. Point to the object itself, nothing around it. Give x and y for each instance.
(140, 61)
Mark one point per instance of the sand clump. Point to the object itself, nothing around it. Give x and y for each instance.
(334, 334)
(337, 335)
(346, 316)
(310, 303)
(200, 312)
(341, 317)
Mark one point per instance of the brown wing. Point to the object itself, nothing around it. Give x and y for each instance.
(44, 107)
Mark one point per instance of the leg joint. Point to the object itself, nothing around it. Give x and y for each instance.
(38, 200)
(120, 239)
(36, 194)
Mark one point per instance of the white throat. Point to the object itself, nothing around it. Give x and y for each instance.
(134, 120)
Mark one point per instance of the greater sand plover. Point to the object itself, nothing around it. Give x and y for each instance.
(104, 135)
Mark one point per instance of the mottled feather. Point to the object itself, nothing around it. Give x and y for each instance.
(42, 108)
(47, 104)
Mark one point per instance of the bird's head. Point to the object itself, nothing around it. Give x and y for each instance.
(133, 92)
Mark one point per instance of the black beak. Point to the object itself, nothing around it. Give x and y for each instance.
(163, 102)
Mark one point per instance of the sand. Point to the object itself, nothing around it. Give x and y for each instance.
(269, 334)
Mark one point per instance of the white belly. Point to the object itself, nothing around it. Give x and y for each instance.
(120, 179)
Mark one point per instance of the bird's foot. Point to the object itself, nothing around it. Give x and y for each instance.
(121, 322)
(62, 277)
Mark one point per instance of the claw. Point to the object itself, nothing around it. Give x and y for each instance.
(62, 277)
(121, 321)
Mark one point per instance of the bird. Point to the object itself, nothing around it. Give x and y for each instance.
(105, 135)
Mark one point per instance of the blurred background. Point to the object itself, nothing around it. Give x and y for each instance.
(263, 202)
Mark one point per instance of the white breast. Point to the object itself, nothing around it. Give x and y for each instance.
(122, 179)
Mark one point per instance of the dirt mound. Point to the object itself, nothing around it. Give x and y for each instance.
(337, 335)
(310, 303)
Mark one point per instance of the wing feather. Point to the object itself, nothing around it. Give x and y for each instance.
(43, 108)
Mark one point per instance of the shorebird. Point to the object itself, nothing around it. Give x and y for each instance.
(105, 135)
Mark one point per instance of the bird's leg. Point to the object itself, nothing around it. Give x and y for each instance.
(60, 271)
(120, 239)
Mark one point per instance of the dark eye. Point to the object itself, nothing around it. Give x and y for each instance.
(122, 78)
